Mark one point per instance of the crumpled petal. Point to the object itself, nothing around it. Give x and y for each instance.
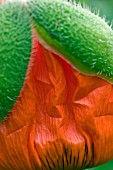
(62, 119)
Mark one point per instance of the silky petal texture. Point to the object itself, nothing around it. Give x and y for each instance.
(61, 120)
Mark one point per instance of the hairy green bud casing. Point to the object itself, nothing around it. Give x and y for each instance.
(15, 49)
(81, 37)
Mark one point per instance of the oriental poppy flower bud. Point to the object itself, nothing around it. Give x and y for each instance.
(62, 119)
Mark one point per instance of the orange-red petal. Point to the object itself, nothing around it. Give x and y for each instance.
(62, 119)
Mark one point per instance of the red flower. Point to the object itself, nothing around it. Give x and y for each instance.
(62, 119)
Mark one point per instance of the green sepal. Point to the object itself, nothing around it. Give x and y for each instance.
(15, 49)
(83, 38)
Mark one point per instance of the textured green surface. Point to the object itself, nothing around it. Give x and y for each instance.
(82, 37)
(15, 48)
(106, 166)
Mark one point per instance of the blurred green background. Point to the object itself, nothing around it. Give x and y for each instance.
(105, 8)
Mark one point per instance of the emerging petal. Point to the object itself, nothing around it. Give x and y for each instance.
(62, 119)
